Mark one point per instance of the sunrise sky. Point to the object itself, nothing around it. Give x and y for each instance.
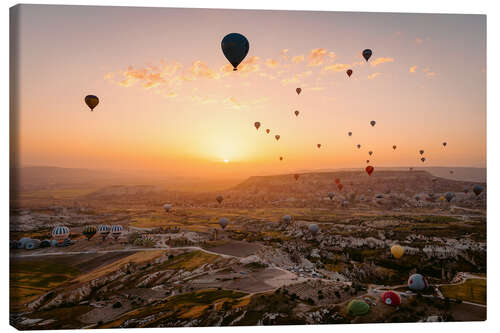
(170, 103)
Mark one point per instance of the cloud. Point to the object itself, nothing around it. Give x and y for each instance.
(201, 70)
(430, 74)
(316, 57)
(290, 80)
(381, 60)
(419, 40)
(298, 59)
(336, 67)
(413, 69)
(271, 63)
(374, 75)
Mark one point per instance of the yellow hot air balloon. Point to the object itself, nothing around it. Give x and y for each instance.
(397, 251)
(91, 101)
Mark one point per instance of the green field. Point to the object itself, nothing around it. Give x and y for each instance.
(472, 290)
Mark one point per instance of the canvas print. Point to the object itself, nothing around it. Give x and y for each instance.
(176, 167)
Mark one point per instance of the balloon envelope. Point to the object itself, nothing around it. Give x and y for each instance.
(256, 124)
(219, 198)
(298, 90)
(235, 48)
(477, 189)
(277, 137)
(223, 222)
(397, 251)
(297, 113)
(349, 72)
(313, 229)
(367, 53)
(373, 122)
(417, 282)
(391, 298)
(91, 101)
(369, 169)
(268, 130)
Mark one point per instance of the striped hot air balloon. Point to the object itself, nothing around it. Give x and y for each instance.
(103, 230)
(116, 231)
(60, 233)
(89, 231)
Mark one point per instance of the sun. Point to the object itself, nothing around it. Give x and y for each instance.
(226, 160)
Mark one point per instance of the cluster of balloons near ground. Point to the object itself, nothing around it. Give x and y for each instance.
(61, 233)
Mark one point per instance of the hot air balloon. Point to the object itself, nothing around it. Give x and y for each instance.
(349, 72)
(103, 230)
(298, 90)
(286, 219)
(417, 282)
(421, 152)
(268, 130)
(357, 307)
(219, 199)
(89, 231)
(296, 113)
(116, 231)
(369, 169)
(444, 144)
(235, 48)
(296, 176)
(477, 189)
(370, 153)
(349, 133)
(451, 172)
(313, 229)
(257, 125)
(449, 196)
(423, 159)
(394, 147)
(391, 298)
(410, 168)
(373, 122)
(417, 197)
(167, 207)
(281, 158)
(91, 101)
(340, 187)
(367, 53)
(442, 198)
(331, 195)
(319, 145)
(223, 222)
(358, 145)
(367, 161)
(337, 181)
(397, 251)
(277, 137)
(60, 233)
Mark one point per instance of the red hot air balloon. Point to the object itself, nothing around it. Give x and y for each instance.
(298, 90)
(268, 130)
(369, 169)
(281, 158)
(257, 125)
(367, 161)
(340, 187)
(319, 145)
(337, 181)
(370, 153)
(349, 72)
(394, 147)
(296, 113)
(277, 137)
(296, 176)
(391, 298)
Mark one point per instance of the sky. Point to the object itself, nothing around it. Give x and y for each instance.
(170, 103)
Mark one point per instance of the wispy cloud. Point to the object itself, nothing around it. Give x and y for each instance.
(413, 69)
(316, 57)
(374, 75)
(381, 60)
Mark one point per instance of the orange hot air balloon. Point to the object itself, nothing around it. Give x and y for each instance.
(277, 137)
(319, 145)
(337, 181)
(394, 147)
(297, 113)
(298, 90)
(268, 130)
(296, 176)
(340, 187)
(349, 72)
(369, 169)
(281, 158)
(257, 125)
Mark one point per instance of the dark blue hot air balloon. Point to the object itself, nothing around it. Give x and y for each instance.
(367, 54)
(235, 47)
